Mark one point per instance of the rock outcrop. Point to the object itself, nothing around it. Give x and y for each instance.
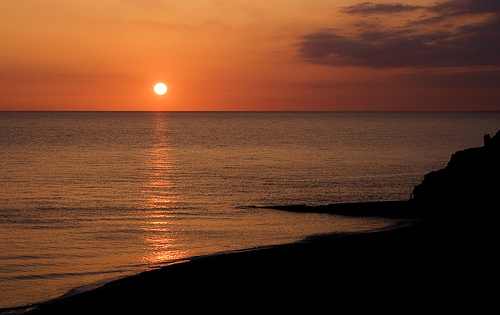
(467, 189)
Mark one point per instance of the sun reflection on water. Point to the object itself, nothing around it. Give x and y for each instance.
(159, 237)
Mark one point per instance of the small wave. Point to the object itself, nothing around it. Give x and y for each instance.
(16, 310)
(398, 209)
(57, 275)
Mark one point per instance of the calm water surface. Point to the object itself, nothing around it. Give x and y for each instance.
(90, 196)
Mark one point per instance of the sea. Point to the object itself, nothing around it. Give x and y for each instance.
(87, 197)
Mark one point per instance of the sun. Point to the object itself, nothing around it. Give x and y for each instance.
(160, 88)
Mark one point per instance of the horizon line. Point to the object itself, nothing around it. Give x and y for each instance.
(262, 111)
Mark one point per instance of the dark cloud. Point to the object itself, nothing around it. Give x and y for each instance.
(368, 8)
(473, 44)
(457, 8)
(461, 7)
(437, 49)
(451, 8)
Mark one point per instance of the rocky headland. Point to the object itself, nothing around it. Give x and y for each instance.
(465, 193)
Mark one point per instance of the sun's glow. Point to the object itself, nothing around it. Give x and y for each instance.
(160, 88)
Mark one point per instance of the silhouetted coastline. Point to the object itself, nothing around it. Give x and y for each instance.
(466, 189)
(337, 272)
(403, 209)
(439, 263)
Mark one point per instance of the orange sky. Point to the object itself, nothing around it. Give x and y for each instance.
(250, 55)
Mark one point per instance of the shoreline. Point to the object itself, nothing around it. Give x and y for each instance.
(75, 292)
(353, 209)
(399, 267)
(376, 209)
(249, 271)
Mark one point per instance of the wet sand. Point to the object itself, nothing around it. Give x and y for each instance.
(399, 269)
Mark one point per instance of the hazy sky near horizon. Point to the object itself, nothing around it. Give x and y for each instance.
(250, 55)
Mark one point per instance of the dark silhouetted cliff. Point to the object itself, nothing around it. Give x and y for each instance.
(466, 190)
